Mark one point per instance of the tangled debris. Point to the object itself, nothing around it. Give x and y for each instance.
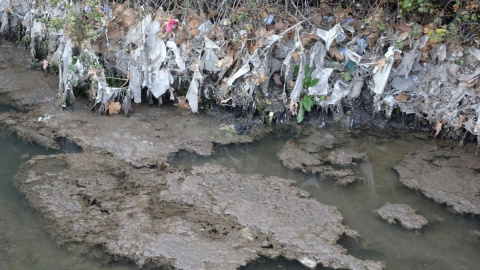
(257, 58)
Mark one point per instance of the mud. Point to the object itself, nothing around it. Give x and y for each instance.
(147, 138)
(446, 173)
(403, 214)
(321, 152)
(211, 218)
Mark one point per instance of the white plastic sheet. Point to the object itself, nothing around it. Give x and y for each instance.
(322, 87)
(192, 94)
(161, 81)
(381, 77)
(242, 71)
(330, 35)
(178, 59)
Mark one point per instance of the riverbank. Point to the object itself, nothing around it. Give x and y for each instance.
(410, 62)
(131, 155)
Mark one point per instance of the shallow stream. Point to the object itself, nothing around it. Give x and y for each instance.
(447, 242)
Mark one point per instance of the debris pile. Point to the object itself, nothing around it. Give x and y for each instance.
(259, 58)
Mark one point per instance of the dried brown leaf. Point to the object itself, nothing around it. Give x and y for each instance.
(182, 37)
(280, 26)
(293, 107)
(114, 34)
(404, 28)
(182, 103)
(381, 63)
(372, 39)
(401, 97)
(226, 62)
(113, 107)
(263, 77)
(307, 38)
(334, 52)
(472, 82)
(128, 18)
(438, 128)
(276, 79)
(425, 51)
(403, 36)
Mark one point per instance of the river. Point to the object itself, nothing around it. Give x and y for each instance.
(447, 242)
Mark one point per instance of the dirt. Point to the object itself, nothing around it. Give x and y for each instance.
(403, 214)
(320, 151)
(210, 218)
(121, 194)
(146, 138)
(446, 173)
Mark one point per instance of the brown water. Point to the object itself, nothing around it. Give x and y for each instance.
(446, 243)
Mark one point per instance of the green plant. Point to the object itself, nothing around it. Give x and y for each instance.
(346, 76)
(80, 24)
(239, 16)
(422, 6)
(306, 103)
(381, 26)
(307, 81)
(417, 30)
(56, 24)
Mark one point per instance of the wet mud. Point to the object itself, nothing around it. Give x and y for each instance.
(446, 173)
(322, 152)
(209, 218)
(403, 214)
(121, 193)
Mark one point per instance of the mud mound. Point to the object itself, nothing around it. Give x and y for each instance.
(445, 174)
(211, 218)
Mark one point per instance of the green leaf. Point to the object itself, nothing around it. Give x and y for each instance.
(322, 97)
(305, 82)
(296, 70)
(307, 103)
(301, 113)
(307, 73)
(313, 82)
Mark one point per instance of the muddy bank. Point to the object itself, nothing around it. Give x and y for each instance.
(146, 138)
(211, 218)
(446, 173)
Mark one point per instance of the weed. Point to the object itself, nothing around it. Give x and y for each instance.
(306, 104)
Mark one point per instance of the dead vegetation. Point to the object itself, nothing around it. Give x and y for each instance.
(417, 56)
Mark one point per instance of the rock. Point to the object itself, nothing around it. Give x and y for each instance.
(402, 213)
(448, 175)
(211, 218)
